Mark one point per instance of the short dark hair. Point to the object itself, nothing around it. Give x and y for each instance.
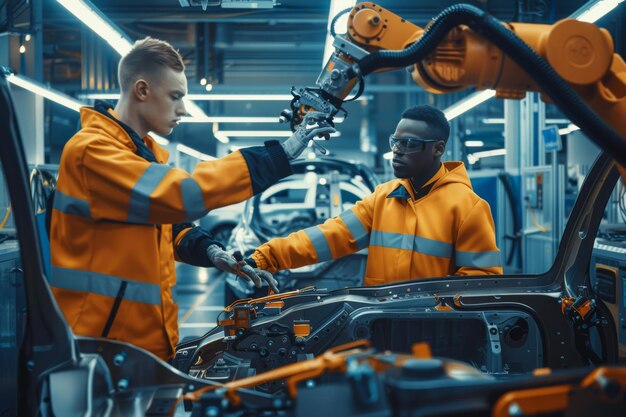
(433, 117)
(148, 56)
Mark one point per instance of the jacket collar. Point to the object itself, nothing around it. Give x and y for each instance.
(402, 190)
(142, 150)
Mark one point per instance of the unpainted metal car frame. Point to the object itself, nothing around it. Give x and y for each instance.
(512, 324)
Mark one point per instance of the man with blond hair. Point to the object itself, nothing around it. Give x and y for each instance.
(121, 215)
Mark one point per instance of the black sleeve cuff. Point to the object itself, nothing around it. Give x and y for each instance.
(193, 246)
(267, 164)
(251, 262)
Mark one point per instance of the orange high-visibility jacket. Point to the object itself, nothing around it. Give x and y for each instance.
(446, 230)
(111, 229)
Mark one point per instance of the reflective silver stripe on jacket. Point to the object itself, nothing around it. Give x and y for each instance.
(319, 243)
(411, 242)
(356, 228)
(70, 205)
(174, 293)
(102, 284)
(478, 259)
(193, 201)
(139, 208)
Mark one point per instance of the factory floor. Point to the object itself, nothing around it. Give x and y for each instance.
(200, 299)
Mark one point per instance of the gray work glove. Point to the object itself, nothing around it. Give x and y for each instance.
(224, 261)
(298, 142)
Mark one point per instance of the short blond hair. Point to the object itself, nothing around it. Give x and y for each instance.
(147, 57)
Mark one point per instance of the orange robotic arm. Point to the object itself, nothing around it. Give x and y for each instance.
(579, 53)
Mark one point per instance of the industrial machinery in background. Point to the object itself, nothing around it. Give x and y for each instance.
(518, 322)
(571, 63)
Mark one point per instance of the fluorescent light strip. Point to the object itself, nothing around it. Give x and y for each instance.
(219, 136)
(476, 156)
(487, 154)
(42, 90)
(212, 97)
(206, 97)
(500, 121)
(241, 97)
(192, 108)
(98, 23)
(227, 119)
(468, 103)
(335, 7)
(569, 129)
(192, 152)
(236, 119)
(597, 10)
(262, 133)
(101, 96)
(474, 143)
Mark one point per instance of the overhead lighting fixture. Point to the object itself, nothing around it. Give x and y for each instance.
(205, 97)
(238, 119)
(229, 119)
(192, 108)
(212, 97)
(335, 7)
(42, 90)
(593, 11)
(500, 121)
(569, 129)
(487, 154)
(477, 156)
(100, 96)
(263, 133)
(468, 103)
(103, 27)
(218, 135)
(241, 97)
(474, 143)
(98, 23)
(192, 152)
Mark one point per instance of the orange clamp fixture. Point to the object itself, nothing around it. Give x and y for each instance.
(333, 360)
(268, 298)
(301, 328)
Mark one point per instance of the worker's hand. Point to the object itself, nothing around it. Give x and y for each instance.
(313, 125)
(224, 261)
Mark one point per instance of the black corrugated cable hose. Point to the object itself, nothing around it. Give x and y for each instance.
(523, 55)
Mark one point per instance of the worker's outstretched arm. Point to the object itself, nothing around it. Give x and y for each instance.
(340, 236)
(190, 243)
(475, 247)
(117, 185)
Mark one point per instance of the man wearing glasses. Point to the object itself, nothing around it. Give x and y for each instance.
(428, 222)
